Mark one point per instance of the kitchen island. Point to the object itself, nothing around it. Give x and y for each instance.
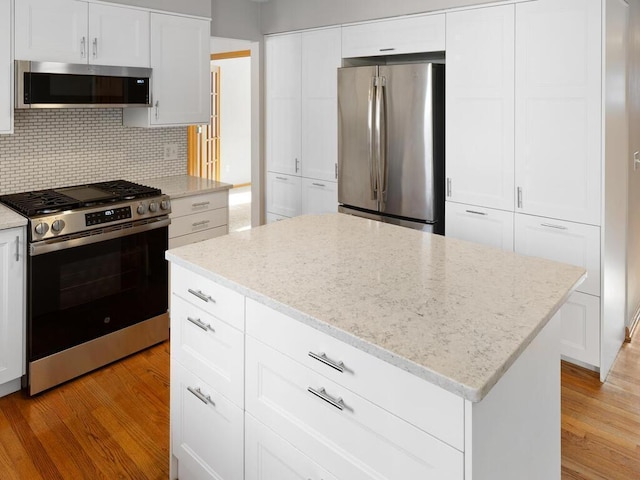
(357, 349)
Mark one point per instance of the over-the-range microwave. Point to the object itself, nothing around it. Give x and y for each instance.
(66, 85)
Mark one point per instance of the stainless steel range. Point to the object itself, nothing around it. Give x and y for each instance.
(97, 280)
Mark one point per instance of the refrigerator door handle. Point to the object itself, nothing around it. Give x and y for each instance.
(371, 120)
(381, 110)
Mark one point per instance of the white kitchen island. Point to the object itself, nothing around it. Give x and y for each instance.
(334, 347)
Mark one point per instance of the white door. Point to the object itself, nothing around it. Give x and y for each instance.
(321, 58)
(6, 67)
(118, 36)
(580, 328)
(51, 31)
(12, 313)
(479, 105)
(181, 70)
(283, 194)
(486, 226)
(319, 196)
(283, 90)
(558, 109)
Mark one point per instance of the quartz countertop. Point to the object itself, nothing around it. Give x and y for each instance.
(10, 219)
(455, 313)
(177, 186)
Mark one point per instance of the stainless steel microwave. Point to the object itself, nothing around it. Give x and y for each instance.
(65, 85)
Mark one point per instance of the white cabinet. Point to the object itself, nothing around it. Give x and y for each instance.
(198, 217)
(12, 302)
(302, 130)
(319, 196)
(559, 109)
(6, 68)
(78, 32)
(180, 61)
(580, 328)
(392, 37)
(479, 224)
(479, 105)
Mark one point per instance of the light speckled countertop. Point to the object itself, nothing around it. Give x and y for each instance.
(178, 186)
(454, 313)
(10, 219)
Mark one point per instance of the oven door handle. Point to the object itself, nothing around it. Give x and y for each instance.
(62, 243)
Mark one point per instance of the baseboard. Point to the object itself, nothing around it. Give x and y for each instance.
(630, 330)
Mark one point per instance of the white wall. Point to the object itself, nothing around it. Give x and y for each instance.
(200, 8)
(235, 19)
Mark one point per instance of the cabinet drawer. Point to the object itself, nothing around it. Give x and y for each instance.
(199, 203)
(175, 242)
(206, 294)
(283, 194)
(319, 196)
(481, 225)
(207, 430)
(198, 222)
(428, 407)
(393, 37)
(337, 428)
(580, 321)
(568, 242)
(209, 348)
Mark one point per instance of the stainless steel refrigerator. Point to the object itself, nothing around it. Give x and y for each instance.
(391, 144)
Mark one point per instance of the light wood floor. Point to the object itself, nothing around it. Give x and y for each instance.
(114, 424)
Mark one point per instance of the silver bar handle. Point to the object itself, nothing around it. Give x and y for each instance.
(475, 212)
(371, 120)
(200, 224)
(387, 49)
(551, 225)
(297, 165)
(200, 204)
(83, 47)
(318, 184)
(17, 248)
(336, 170)
(202, 296)
(282, 178)
(95, 47)
(157, 105)
(322, 357)
(206, 399)
(636, 160)
(519, 197)
(382, 140)
(322, 393)
(448, 187)
(199, 323)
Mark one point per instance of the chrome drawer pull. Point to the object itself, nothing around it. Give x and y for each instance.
(199, 323)
(202, 296)
(200, 204)
(322, 393)
(282, 178)
(321, 357)
(319, 185)
(206, 399)
(550, 225)
(475, 212)
(200, 224)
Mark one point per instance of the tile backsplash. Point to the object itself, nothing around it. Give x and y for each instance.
(55, 148)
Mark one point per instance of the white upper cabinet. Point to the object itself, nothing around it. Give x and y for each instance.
(181, 65)
(480, 107)
(392, 37)
(6, 68)
(558, 109)
(77, 32)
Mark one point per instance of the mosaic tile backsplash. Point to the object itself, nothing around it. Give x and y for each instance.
(55, 148)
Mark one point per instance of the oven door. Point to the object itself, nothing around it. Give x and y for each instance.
(85, 288)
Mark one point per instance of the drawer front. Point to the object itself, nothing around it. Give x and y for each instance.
(175, 242)
(341, 431)
(272, 217)
(319, 196)
(209, 348)
(199, 203)
(198, 222)
(207, 430)
(284, 194)
(428, 407)
(568, 242)
(219, 301)
(269, 457)
(580, 320)
(486, 226)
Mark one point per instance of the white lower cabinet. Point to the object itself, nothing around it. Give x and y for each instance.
(198, 217)
(283, 194)
(272, 217)
(319, 196)
(487, 226)
(580, 320)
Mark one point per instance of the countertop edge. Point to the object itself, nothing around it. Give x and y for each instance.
(10, 219)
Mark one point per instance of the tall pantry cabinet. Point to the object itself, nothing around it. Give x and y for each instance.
(550, 164)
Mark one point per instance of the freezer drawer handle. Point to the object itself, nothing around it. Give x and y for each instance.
(199, 323)
(550, 225)
(206, 399)
(475, 212)
(322, 393)
(322, 357)
(202, 296)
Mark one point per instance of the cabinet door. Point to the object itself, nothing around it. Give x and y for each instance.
(319, 196)
(51, 31)
(558, 109)
(479, 103)
(6, 68)
(580, 320)
(283, 194)
(478, 224)
(283, 91)
(320, 62)
(118, 36)
(269, 456)
(12, 301)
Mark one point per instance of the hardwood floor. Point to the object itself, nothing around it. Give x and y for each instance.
(114, 424)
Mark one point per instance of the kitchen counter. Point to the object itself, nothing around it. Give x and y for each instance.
(178, 186)
(454, 313)
(10, 219)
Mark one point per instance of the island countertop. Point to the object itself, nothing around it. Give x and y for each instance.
(455, 313)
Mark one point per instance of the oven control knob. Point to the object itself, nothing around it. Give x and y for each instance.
(42, 228)
(153, 207)
(57, 225)
(142, 209)
(165, 204)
